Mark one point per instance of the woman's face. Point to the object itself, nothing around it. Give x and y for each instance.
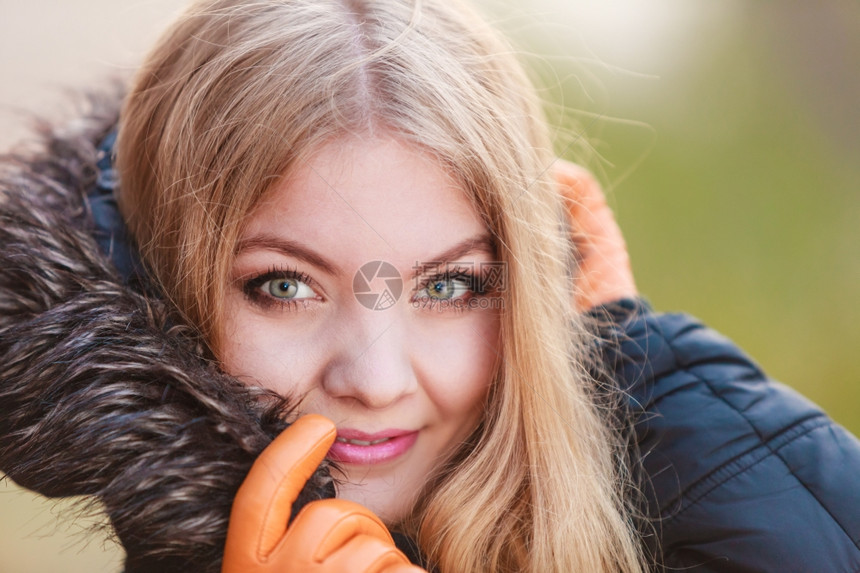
(314, 311)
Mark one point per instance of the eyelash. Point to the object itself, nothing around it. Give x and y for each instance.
(475, 283)
(251, 288)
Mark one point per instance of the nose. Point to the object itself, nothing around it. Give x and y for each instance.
(372, 364)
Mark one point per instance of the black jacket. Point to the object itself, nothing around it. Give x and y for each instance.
(742, 473)
(102, 394)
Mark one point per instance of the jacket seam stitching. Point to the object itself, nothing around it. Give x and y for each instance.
(767, 452)
(765, 443)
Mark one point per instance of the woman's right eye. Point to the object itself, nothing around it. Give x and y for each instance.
(288, 289)
(285, 287)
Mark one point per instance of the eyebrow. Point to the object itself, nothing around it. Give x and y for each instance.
(480, 243)
(287, 247)
(475, 244)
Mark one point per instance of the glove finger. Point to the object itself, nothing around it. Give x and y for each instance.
(605, 273)
(324, 526)
(366, 554)
(405, 569)
(261, 509)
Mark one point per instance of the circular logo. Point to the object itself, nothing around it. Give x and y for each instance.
(377, 285)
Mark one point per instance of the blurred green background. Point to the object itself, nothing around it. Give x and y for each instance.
(727, 135)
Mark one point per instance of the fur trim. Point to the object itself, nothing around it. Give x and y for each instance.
(99, 395)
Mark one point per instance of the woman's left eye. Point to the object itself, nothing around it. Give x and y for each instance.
(442, 289)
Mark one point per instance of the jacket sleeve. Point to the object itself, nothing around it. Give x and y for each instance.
(741, 473)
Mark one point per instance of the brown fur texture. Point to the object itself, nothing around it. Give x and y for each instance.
(102, 392)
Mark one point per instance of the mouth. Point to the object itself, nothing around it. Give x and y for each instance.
(361, 442)
(360, 448)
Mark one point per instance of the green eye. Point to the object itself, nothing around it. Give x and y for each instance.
(283, 288)
(447, 289)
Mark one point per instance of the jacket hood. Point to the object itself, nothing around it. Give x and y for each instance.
(103, 392)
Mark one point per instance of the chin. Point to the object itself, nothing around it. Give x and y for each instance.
(382, 503)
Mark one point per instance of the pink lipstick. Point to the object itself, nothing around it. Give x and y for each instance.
(360, 448)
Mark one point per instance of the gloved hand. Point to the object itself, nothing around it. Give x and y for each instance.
(604, 268)
(327, 536)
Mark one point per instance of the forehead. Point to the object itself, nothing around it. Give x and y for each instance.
(360, 199)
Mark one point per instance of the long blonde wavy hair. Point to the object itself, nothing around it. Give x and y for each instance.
(237, 91)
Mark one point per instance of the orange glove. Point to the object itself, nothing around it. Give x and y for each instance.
(604, 265)
(327, 536)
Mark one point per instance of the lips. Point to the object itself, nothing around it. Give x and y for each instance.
(361, 448)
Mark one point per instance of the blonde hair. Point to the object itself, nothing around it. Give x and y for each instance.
(236, 92)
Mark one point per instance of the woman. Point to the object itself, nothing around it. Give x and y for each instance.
(374, 135)
(266, 152)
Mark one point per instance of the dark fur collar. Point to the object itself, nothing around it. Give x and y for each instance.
(101, 394)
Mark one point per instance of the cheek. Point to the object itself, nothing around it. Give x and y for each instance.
(458, 360)
(258, 353)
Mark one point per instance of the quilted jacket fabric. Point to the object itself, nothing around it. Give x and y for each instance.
(741, 472)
